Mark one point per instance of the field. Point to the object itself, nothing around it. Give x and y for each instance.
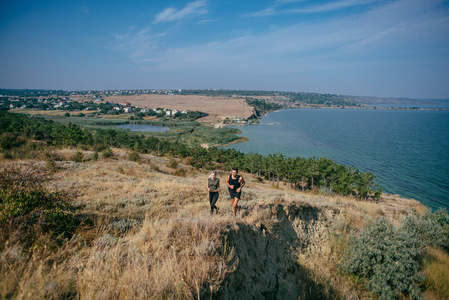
(218, 108)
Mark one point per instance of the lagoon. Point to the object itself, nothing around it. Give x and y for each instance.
(408, 150)
(144, 127)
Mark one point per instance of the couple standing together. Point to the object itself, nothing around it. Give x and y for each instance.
(234, 182)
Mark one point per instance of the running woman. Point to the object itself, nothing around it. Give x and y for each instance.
(213, 186)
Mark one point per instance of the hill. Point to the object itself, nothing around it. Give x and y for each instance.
(144, 231)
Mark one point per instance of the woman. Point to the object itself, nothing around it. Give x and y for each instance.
(235, 183)
(213, 186)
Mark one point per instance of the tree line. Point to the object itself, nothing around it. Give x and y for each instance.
(299, 173)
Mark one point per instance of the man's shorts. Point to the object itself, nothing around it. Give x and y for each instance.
(234, 194)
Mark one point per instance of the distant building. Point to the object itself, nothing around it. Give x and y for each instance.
(128, 109)
(125, 104)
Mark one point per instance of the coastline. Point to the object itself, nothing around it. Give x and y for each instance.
(242, 140)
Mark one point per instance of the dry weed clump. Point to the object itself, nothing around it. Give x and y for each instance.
(436, 269)
(166, 258)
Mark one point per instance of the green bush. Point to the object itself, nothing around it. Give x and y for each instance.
(390, 260)
(95, 156)
(180, 172)
(134, 156)
(107, 153)
(26, 204)
(173, 164)
(10, 141)
(432, 228)
(77, 157)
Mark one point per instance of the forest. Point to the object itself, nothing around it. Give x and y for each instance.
(21, 136)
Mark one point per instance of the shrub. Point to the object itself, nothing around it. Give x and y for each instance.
(98, 147)
(389, 259)
(77, 157)
(9, 141)
(107, 153)
(95, 156)
(172, 164)
(180, 173)
(66, 114)
(134, 156)
(26, 204)
(432, 228)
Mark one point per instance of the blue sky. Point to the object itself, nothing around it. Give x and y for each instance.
(394, 48)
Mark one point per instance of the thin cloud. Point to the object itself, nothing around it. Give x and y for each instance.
(330, 6)
(171, 14)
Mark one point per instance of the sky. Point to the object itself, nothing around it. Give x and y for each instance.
(384, 48)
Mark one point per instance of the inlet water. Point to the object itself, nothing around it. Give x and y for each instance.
(144, 127)
(408, 150)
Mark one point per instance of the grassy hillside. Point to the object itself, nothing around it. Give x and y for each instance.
(142, 229)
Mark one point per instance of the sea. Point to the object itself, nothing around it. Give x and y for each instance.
(408, 150)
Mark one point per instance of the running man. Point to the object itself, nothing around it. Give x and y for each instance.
(235, 182)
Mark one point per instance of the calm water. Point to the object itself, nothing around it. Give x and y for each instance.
(408, 151)
(143, 127)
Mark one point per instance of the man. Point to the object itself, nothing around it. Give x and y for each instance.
(235, 183)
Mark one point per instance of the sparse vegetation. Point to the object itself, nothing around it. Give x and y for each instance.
(29, 207)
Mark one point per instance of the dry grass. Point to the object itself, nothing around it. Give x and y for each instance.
(437, 275)
(149, 234)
